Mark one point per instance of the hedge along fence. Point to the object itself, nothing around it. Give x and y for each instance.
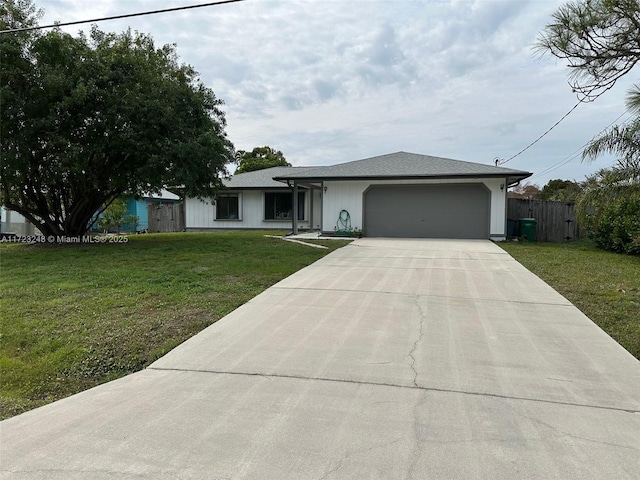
(556, 220)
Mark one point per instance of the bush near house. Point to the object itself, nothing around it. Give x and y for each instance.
(617, 228)
(115, 217)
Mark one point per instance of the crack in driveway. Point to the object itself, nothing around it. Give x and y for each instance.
(393, 385)
(416, 427)
(415, 344)
(565, 303)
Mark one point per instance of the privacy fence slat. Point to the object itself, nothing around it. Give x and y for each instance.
(556, 221)
(166, 218)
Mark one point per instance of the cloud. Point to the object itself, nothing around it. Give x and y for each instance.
(325, 90)
(335, 81)
(384, 51)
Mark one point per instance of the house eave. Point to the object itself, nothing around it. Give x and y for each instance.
(510, 178)
(261, 189)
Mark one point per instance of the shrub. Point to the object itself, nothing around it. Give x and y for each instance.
(618, 227)
(115, 217)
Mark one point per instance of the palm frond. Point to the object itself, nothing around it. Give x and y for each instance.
(623, 141)
(604, 187)
(633, 99)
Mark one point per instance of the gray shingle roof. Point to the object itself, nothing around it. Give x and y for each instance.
(402, 165)
(261, 178)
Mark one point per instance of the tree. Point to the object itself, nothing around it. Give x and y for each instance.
(115, 216)
(624, 142)
(526, 190)
(607, 185)
(87, 119)
(619, 184)
(599, 38)
(560, 191)
(601, 41)
(260, 158)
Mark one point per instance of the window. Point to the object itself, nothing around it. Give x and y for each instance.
(279, 205)
(227, 207)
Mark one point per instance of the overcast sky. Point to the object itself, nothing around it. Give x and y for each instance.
(333, 81)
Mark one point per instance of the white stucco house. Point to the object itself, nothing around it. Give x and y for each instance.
(395, 195)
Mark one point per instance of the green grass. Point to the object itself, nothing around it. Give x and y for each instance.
(605, 286)
(74, 316)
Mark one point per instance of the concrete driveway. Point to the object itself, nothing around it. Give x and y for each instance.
(387, 359)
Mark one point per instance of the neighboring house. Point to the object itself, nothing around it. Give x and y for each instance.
(396, 195)
(138, 207)
(13, 222)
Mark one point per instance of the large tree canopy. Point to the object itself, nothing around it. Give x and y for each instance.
(600, 39)
(260, 158)
(86, 119)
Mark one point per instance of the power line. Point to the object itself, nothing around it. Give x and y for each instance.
(556, 166)
(502, 162)
(575, 153)
(116, 17)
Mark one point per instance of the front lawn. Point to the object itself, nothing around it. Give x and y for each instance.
(604, 285)
(74, 316)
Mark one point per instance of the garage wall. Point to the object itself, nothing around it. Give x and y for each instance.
(348, 195)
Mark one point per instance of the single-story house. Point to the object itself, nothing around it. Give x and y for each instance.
(396, 195)
(138, 207)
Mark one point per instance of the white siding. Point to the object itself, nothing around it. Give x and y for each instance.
(198, 214)
(201, 215)
(348, 195)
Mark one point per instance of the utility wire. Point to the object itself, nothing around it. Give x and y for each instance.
(116, 17)
(556, 166)
(576, 153)
(502, 162)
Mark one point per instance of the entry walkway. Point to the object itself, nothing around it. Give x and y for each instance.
(387, 359)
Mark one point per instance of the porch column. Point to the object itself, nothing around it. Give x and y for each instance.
(310, 208)
(295, 207)
(321, 207)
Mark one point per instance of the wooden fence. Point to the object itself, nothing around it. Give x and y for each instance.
(556, 221)
(166, 218)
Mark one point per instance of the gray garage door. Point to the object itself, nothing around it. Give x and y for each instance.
(427, 211)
